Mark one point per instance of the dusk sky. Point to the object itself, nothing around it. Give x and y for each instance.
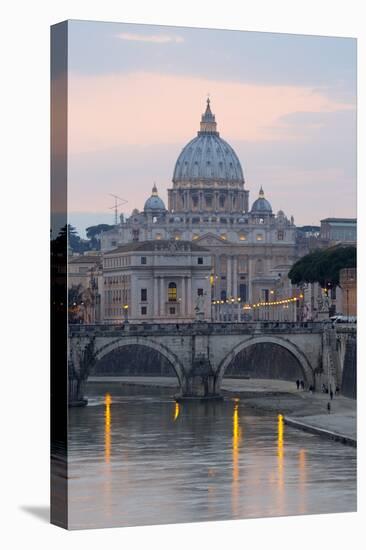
(286, 103)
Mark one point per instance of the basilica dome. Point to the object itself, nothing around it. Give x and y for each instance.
(208, 157)
(154, 203)
(261, 205)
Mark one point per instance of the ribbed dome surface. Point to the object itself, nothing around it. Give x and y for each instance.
(207, 156)
(154, 203)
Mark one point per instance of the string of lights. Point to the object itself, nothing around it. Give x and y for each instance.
(283, 301)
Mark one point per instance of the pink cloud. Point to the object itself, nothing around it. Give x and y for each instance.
(150, 108)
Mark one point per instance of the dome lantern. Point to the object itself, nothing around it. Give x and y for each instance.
(208, 123)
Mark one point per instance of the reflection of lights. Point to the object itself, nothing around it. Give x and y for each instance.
(235, 445)
(280, 431)
(280, 461)
(176, 411)
(107, 427)
(302, 480)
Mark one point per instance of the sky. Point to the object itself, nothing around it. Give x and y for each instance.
(286, 104)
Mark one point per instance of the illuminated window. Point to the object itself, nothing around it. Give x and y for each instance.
(158, 236)
(242, 237)
(195, 236)
(172, 292)
(259, 237)
(224, 236)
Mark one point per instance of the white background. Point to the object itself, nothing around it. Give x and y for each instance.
(24, 398)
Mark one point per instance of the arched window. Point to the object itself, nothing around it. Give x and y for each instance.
(172, 292)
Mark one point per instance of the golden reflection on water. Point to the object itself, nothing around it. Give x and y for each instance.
(302, 481)
(107, 428)
(236, 439)
(176, 411)
(280, 462)
(107, 483)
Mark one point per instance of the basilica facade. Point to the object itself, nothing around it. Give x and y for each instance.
(250, 248)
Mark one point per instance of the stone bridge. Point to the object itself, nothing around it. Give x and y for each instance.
(201, 352)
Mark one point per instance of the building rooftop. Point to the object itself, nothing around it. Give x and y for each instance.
(85, 259)
(156, 245)
(339, 220)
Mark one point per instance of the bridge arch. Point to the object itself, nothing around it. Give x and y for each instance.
(282, 342)
(143, 342)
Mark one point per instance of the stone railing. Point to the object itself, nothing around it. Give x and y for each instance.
(265, 327)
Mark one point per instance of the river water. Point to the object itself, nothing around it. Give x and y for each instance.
(136, 457)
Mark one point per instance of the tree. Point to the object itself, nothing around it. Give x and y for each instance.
(94, 231)
(73, 239)
(323, 266)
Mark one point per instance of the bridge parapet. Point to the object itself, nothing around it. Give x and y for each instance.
(198, 328)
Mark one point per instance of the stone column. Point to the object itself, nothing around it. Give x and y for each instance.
(156, 297)
(249, 287)
(228, 277)
(189, 295)
(183, 298)
(216, 199)
(162, 297)
(235, 276)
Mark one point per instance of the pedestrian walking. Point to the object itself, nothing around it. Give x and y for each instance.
(331, 394)
(302, 384)
(337, 390)
(328, 407)
(297, 383)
